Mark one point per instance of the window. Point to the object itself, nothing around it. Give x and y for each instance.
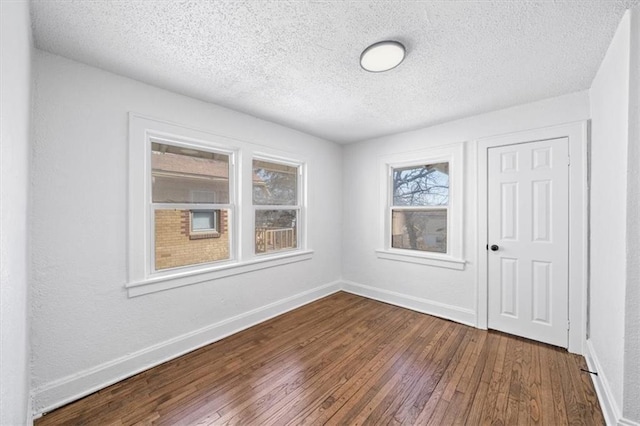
(419, 211)
(190, 204)
(422, 205)
(185, 220)
(277, 207)
(204, 220)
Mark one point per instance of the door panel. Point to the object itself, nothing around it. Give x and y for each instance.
(541, 281)
(528, 220)
(542, 211)
(509, 287)
(509, 201)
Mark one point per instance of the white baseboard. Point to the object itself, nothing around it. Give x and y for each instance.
(442, 310)
(610, 409)
(70, 388)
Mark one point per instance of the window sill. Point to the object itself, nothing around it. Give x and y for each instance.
(203, 235)
(421, 259)
(166, 282)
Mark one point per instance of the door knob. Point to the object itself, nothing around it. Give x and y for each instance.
(494, 247)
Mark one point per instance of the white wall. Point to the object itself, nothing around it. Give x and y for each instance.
(432, 289)
(609, 97)
(15, 95)
(631, 391)
(86, 332)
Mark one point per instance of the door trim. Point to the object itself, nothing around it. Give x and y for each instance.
(578, 222)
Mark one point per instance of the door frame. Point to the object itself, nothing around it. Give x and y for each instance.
(577, 133)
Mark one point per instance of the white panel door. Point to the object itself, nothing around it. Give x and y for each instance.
(528, 214)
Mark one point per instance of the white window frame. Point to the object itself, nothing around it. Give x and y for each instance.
(142, 278)
(300, 206)
(142, 234)
(453, 155)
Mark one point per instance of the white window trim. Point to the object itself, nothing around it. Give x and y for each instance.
(142, 279)
(300, 207)
(452, 154)
(200, 275)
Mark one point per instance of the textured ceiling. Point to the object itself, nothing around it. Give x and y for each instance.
(297, 62)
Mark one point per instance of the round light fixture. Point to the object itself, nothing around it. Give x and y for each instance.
(382, 56)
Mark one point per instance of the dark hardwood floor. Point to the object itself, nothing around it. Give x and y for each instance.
(347, 360)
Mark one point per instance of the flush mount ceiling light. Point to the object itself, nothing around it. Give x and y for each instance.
(382, 56)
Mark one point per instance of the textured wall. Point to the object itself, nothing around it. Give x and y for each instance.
(83, 322)
(15, 107)
(609, 97)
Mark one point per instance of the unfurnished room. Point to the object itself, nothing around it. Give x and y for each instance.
(288, 212)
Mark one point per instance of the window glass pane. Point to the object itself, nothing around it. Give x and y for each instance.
(276, 230)
(204, 220)
(274, 184)
(424, 230)
(184, 175)
(426, 185)
(177, 245)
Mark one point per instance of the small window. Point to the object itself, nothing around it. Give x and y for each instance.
(277, 208)
(183, 178)
(204, 221)
(420, 207)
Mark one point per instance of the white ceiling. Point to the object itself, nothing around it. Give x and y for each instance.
(297, 62)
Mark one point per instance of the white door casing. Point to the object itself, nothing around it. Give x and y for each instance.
(577, 135)
(528, 261)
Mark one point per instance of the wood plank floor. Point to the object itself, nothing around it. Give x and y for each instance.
(347, 360)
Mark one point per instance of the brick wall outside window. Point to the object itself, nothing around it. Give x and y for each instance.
(176, 247)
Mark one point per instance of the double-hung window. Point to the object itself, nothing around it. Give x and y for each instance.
(277, 205)
(190, 205)
(421, 200)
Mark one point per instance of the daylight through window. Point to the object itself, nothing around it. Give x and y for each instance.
(190, 204)
(277, 207)
(420, 207)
